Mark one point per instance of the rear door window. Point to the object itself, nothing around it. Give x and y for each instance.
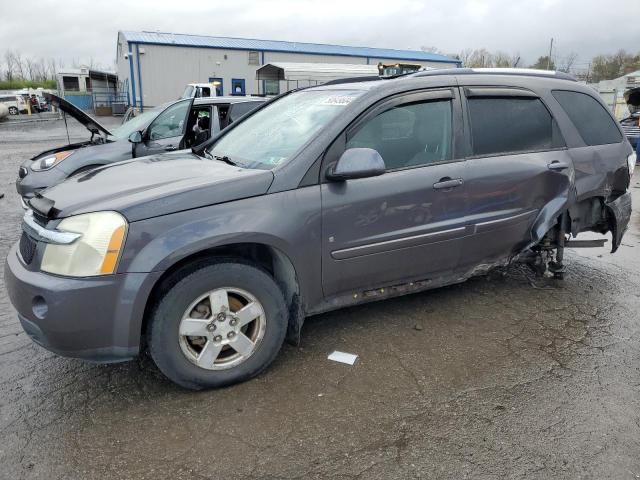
(237, 110)
(501, 125)
(593, 122)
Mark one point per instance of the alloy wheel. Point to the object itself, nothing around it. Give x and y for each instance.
(222, 328)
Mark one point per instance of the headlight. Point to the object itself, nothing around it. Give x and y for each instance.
(49, 161)
(96, 252)
(631, 161)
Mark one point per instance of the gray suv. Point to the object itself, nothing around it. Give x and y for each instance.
(325, 197)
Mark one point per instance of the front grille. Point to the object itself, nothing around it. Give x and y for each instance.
(27, 248)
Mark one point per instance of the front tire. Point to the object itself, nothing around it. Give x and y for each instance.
(221, 324)
(13, 111)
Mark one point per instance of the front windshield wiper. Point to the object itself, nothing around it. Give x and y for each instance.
(225, 159)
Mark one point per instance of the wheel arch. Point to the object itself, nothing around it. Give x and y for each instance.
(267, 257)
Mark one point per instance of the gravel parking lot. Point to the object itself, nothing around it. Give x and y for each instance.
(504, 376)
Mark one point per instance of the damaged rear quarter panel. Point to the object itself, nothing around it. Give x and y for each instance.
(620, 210)
(600, 170)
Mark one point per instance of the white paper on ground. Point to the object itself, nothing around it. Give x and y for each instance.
(342, 357)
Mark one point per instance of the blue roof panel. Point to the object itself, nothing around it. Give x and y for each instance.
(177, 39)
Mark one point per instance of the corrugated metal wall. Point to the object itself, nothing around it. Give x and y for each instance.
(166, 70)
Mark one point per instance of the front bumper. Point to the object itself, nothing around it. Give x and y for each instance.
(97, 319)
(33, 182)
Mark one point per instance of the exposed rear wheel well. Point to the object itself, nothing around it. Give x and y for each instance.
(270, 259)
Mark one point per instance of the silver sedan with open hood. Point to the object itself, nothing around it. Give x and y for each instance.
(172, 126)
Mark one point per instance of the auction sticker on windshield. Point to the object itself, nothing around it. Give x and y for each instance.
(339, 100)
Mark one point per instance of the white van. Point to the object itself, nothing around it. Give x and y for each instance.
(200, 90)
(15, 103)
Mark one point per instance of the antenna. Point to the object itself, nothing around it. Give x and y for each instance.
(64, 116)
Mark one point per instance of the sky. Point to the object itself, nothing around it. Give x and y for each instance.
(74, 30)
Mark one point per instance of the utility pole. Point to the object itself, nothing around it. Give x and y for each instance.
(549, 57)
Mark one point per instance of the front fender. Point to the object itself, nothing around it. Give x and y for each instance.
(287, 221)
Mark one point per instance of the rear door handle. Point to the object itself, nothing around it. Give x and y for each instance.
(556, 165)
(170, 148)
(447, 182)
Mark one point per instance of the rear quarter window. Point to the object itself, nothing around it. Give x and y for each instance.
(502, 125)
(591, 119)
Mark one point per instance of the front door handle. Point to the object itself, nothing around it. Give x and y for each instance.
(170, 148)
(556, 165)
(447, 182)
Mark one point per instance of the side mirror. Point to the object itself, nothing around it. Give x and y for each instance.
(357, 163)
(135, 137)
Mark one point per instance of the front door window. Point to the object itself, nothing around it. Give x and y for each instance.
(408, 135)
(169, 123)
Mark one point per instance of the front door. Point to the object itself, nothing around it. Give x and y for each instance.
(407, 223)
(519, 175)
(167, 130)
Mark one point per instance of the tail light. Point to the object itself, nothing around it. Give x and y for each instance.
(631, 162)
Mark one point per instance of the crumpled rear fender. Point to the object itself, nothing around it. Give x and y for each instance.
(618, 214)
(547, 218)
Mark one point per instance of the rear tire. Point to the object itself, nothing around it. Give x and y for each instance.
(199, 341)
(13, 111)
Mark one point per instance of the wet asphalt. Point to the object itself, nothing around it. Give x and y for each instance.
(504, 376)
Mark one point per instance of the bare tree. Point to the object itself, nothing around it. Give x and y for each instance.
(51, 69)
(465, 55)
(480, 58)
(42, 70)
(502, 60)
(9, 61)
(565, 64)
(19, 65)
(30, 68)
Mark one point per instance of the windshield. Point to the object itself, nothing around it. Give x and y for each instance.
(273, 134)
(137, 123)
(188, 92)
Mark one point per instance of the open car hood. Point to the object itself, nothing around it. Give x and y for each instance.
(89, 122)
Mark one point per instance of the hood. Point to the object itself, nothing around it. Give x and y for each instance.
(89, 122)
(152, 186)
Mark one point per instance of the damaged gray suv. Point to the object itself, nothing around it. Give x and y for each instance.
(326, 197)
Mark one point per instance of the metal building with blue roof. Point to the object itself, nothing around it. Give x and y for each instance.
(159, 65)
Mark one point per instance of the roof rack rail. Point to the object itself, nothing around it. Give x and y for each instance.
(377, 77)
(338, 81)
(528, 72)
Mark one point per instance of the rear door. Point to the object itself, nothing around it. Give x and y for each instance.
(409, 222)
(518, 176)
